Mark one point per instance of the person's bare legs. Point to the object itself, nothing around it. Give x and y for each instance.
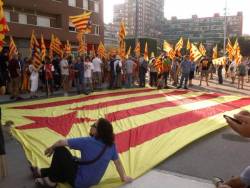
(242, 82)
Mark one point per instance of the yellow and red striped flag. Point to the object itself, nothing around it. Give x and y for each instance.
(146, 52)
(128, 52)
(92, 52)
(229, 49)
(179, 45)
(43, 48)
(33, 42)
(82, 47)
(188, 45)
(137, 49)
(55, 46)
(202, 49)
(195, 54)
(122, 31)
(3, 26)
(142, 119)
(82, 22)
(215, 52)
(101, 50)
(36, 56)
(13, 48)
(236, 52)
(168, 48)
(67, 48)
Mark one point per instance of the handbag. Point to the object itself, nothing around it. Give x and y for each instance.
(82, 162)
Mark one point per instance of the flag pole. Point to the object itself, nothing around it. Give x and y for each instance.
(225, 28)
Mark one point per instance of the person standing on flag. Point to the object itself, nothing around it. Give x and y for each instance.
(15, 76)
(118, 72)
(49, 70)
(34, 78)
(191, 75)
(79, 74)
(97, 73)
(241, 72)
(143, 69)
(232, 70)
(96, 153)
(64, 65)
(204, 67)
(129, 67)
(185, 71)
(88, 75)
(219, 71)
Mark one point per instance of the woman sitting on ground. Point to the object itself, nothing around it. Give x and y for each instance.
(96, 153)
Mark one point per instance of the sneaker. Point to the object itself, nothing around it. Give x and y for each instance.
(217, 181)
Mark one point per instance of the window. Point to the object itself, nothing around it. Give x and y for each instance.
(71, 27)
(7, 15)
(22, 18)
(85, 4)
(72, 3)
(43, 21)
(96, 6)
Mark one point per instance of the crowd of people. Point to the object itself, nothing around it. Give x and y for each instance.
(92, 73)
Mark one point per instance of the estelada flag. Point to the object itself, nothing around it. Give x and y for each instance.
(179, 45)
(43, 48)
(122, 31)
(202, 49)
(150, 125)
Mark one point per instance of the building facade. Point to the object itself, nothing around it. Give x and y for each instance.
(111, 35)
(150, 16)
(51, 16)
(210, 30)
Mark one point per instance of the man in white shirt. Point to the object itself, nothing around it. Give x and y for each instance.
(64, 65)
(97, 72)
(118, 72)
(88, 71)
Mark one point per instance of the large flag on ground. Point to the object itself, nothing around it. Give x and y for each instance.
(82, 22)
(13, 48)
(3, 26)
(195, 54)
(150, 125)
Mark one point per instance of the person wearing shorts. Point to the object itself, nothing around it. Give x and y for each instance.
(204, 67)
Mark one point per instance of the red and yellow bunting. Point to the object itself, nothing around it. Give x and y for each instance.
(141, 118)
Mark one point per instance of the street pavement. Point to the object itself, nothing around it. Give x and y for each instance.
(222, 153)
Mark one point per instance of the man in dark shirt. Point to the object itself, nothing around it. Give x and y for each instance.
(204, 67)
(15, 73)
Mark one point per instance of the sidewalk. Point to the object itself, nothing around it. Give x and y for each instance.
(164, 179)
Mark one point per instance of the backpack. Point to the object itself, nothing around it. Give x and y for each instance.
(118, 68)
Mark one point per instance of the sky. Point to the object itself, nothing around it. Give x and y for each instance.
(203, 8)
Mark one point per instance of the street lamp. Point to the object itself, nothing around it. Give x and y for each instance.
(225, 28)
